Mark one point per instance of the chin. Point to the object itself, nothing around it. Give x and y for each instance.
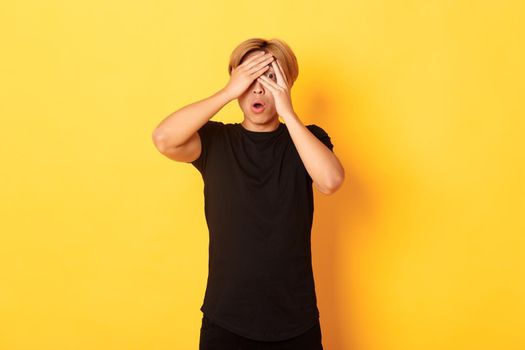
(262, 118)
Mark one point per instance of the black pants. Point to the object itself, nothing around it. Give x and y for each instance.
(214, 337)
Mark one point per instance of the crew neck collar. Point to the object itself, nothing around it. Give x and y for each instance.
(262, 133)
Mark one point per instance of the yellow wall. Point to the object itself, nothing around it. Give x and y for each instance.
(103, 241)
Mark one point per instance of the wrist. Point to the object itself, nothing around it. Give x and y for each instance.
(226, 94)
(289, 116)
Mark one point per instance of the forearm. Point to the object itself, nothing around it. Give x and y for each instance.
(322, 165)
(180, 125)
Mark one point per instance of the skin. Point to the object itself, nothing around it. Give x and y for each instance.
(268, 120)
(322, 164)
(177, 136)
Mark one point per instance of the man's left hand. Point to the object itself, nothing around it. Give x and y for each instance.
(280, 90)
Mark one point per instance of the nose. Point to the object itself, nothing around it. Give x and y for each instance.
(258, 88)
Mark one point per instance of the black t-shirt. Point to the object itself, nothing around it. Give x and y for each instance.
(258, 204)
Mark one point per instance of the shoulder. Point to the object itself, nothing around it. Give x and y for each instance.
(213, 124)
(210, 128)
(316, 129)
(321, 134)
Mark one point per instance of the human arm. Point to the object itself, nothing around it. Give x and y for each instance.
(176, 136)
(322, 164)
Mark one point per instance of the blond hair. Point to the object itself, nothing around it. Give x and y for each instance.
(278, 48)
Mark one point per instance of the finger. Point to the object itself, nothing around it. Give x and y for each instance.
(279, 71)
(260, 65)
(259, 72)
(282, 72)
(247, 61)
(254, 57)
(265, 60)
(266, 85)
(268, 82)
(255, 60)
(271, 82)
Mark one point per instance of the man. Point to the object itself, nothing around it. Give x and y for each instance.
(258, 178)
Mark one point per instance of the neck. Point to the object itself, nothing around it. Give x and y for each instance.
(269, 125)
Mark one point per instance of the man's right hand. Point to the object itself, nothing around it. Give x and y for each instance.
(243, 75)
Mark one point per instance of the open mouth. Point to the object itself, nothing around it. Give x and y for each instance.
(258, 107)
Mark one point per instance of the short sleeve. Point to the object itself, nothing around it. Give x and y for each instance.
(321, 135)
(207, 134)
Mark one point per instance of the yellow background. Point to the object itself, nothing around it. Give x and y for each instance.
(103, 240)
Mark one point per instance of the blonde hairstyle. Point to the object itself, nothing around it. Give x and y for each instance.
(278, 48)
